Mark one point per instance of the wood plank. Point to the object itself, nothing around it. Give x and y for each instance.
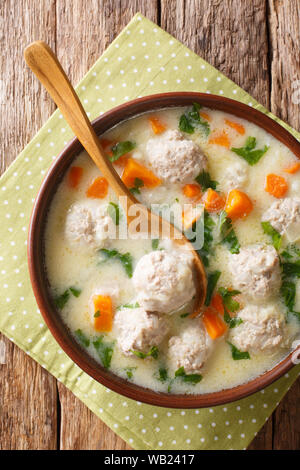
(28, 403)
(28, 398)
(286, 428)
(264, 439)
(231, 38)
(284, 28)
(81, 429)
(85, 33)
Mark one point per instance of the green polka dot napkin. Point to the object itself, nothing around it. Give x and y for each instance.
(142, 60)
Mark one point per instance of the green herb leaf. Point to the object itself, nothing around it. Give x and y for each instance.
(227, 295)
(124, 258)
(129, 371)
(136, 305)
(61, 300)
(212, 280)
(275, 236)
(291, 269)
(288, 292)
(205, 181)
(138, 183)
(291, 253)
(184, 315)
(248, 153)
(163, 374)
(188, 378)
(227, 233)
(82, 338)
(120, 149)
(191, 120)
(104, 351)
(155, 243)
(75, 291)
(97, 314)
(238, 355)
(206, 249)
(113, 211)
(153, 353)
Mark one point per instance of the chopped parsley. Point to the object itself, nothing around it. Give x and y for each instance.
(124, 258)
(162, 374)
(129, 372)
(188, 378)
(152, 353)
(275, 236)
(227, 233)
(120, 149)
(212, 279)
(248, 153)
(238, 355)
(135, 305)
(138, 183)
(191, 120)
(113, 211)
(61, 300)
(104, 351)
(230, 305)
(205, 181)
(290, 264)
(97, 314)
(155, 243)
(206, 249)
(84, 341)
(184, 315)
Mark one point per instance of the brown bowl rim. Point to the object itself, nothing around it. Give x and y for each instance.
(35, 252)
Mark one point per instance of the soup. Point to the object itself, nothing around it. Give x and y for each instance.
(128, 300)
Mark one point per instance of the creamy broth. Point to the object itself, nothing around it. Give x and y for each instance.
(83, 268)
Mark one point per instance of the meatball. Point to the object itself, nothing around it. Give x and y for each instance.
(235, 176)
(175, 159)
(87, 225)
(138, 330)
(283, 214)
(191, 348)
(256, 271)
(164, 280)
(263, 329)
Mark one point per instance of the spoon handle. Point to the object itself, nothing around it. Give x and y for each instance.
(45, 65)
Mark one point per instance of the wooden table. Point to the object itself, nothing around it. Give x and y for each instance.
(255, 43)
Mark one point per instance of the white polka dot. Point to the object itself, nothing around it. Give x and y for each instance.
(213, 425)
(182, 413)
(144, 431)
(242, 436)
(160, 443)
(216, 438)
(141, 416)
(202, 439)
(157, 429)
(185, 426)
(127, 418)
(199, 426)
(188, 441)
(155, 415)
(229, 436)
(100, 409)
(253, 420)
(116, 425)
(240, 421)
(275, 390)
(171, 428)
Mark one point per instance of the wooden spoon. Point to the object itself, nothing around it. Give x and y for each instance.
(48, 70)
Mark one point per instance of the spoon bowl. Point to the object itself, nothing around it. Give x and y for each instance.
(45, 65)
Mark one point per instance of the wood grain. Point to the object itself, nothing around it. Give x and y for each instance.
(28, 398)
(28, 403)
(230, 35)
(284, 44)
(254, 43)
